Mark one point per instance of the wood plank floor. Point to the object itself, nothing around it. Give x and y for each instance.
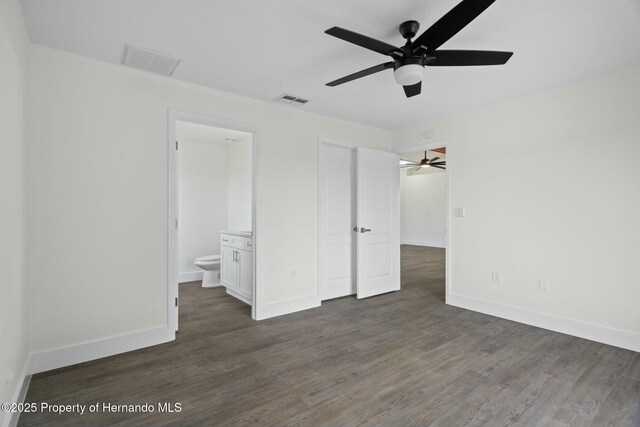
(398, 359)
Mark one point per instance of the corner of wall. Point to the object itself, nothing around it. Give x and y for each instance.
(19, 394)
(15, 58)
(13, 22)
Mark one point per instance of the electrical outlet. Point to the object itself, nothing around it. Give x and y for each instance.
(543, 285)
(7, 375)
(496, 277)
(9, 371)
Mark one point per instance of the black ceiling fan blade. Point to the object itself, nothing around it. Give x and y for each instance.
(413, 90)
(433, 160)
(363, 41)
(438, 164)
(456, 58)
(450, 24)
(438, 167)
(362, 73)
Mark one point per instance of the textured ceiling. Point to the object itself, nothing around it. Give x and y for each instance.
(262, 49)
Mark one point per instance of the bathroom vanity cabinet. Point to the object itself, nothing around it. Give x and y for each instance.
(236, 265)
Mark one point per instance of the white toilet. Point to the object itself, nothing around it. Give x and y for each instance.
(210, 264)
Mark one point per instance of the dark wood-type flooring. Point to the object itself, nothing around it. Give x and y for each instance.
(398, 359)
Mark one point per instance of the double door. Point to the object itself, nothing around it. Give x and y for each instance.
(359, 222)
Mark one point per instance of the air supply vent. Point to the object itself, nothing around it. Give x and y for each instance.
(148, 60)
(290, 99)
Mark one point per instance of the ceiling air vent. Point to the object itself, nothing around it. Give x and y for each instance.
(148, 60)
(290, 99)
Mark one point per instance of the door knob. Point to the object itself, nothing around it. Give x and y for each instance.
(364, 230)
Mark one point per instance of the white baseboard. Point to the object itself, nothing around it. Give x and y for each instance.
(238, 296)
(286, 307)
(602, 334)
(66, 356)
(431, 244)
(22, 386)
(190, 276)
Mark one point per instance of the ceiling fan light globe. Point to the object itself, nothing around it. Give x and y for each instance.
(409, 74)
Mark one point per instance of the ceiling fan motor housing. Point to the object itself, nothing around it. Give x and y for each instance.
(409, 29)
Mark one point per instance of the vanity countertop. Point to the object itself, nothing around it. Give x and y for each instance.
(237, 233)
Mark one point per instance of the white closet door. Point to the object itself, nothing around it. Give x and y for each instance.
(378, 214)
(336, 221)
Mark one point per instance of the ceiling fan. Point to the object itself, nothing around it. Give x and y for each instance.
(424, 163)
(408, 61)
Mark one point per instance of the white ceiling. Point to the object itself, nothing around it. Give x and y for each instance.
(262, 49)
(201, 133)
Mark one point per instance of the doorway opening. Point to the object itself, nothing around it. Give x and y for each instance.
(424, 218)
(211, 213)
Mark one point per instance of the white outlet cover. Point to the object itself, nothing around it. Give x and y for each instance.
(496, 277)
(543, 284)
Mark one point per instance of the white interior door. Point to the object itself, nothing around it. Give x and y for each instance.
(336, 221)
(378, 222)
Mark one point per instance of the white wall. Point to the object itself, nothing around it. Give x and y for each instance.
(545, 202)
(240, 161)
(99, 187)
(203, 186)
(422, 209)
(13, 89)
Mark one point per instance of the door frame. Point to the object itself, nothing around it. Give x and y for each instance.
(174, 116)
(447, 183)
(321, 217)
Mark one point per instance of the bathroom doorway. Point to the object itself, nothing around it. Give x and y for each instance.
(211, 214)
